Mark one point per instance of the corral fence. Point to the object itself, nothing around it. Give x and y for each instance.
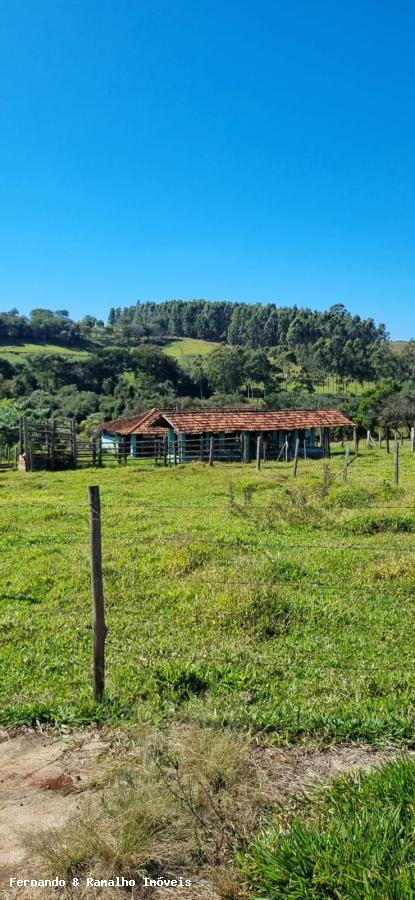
(55, 444)
(212, 448)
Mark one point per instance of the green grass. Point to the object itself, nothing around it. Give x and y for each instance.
(233, 597)
(13, 352)
(354, 840)
(189, 347)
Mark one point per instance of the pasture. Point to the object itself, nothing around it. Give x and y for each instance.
(234, 598)
(180, 347)
(16, 352)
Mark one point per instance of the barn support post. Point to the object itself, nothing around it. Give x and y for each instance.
(97, 588)
(258, 451)
(296, 451)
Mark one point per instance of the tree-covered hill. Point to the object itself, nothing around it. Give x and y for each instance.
(196, 352)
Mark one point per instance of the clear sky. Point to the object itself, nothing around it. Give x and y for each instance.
(258, 151)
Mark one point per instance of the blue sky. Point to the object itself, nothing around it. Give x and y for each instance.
(229, 150)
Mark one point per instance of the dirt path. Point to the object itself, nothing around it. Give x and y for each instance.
(43, 779)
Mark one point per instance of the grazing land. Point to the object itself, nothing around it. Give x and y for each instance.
(189, 347)
(237, 598)
(13, 352)
(261, 633)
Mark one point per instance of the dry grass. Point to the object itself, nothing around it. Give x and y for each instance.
(172, 805)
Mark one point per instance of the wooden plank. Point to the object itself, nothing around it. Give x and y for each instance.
(97, 588)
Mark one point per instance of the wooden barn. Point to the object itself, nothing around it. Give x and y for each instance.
(231, 434)
(235, 432)
(133, 436)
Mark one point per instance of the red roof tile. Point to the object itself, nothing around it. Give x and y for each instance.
(133, 424)
(198, 421)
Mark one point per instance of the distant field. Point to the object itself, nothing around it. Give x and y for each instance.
(398, 346)
(189, 347)
(13, 351)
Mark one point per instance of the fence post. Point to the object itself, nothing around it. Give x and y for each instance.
(346, 463)
(297, 447)
(74, 445)
(356, 440)
(387, 439)
(15, 459)
(412, 439)
(368, 439)
(258, 452)
(211, 450)
(264, 450)
(396, 460)
(201, 448)
(165, 449)
(100, 630)
(305, 449)
(26, 445)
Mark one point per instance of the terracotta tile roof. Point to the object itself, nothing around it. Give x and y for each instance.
(197, 421)
(134, 424)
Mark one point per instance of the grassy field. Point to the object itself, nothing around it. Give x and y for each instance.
(233, 598)
(189, 347)
(14, 352)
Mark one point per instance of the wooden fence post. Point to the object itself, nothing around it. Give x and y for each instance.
(100, 630)
(165, 449)
(211, 448)
(74, 443)
(368, 439)
(412, 439)
(26, 445)
(396, 460)
(356, 440)
(264, 450)
(346, 463)
(387, 439)
(286, 446)
(15, 459)
(297, 447)
(305, 449)
(258, 452)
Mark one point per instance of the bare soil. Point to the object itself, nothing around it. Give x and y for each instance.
(45, 777)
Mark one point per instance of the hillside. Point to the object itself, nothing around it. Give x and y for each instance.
(14, 352)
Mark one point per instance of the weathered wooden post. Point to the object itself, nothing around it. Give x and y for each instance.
(402, 438)
(305, 449)
(74, 444)
(15, 459)
(100, 450)
(286, 446)
(346, 463)
(175, 442)
(258, 452)
(165, 448)
(355, 439)
(100, 630)
(26, 445)
(412, 439)
(297, 447)
(387, 438)
(211, 449)
(396, 460)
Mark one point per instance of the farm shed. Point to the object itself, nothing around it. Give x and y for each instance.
(133, 436)
(235, 432)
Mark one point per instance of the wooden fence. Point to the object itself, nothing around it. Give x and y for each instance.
(55, 445)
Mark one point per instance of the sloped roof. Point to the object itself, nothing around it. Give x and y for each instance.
(197, 421)
(137, 424)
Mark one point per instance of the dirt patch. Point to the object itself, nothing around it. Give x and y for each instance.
(287, 773)
(36, 772)
(45, 779)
